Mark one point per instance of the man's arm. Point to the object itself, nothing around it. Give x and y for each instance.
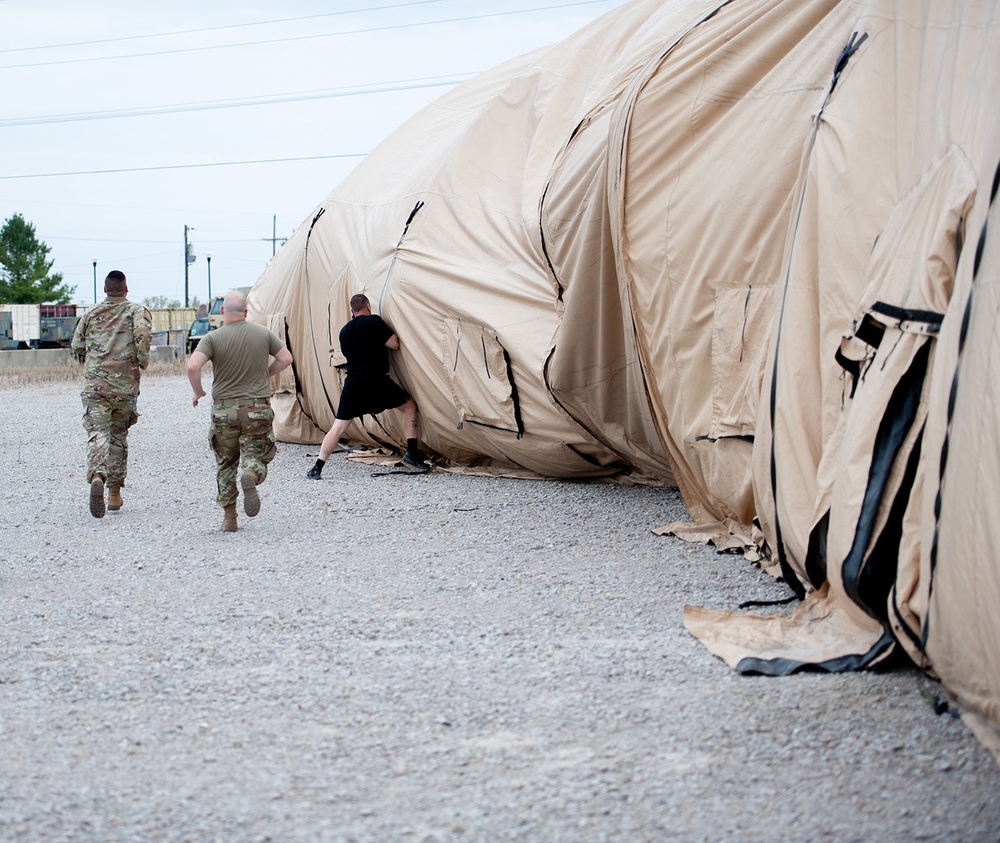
(79, 342)
(392, 343)
(282, 360)
(142, 334)
(196, 362)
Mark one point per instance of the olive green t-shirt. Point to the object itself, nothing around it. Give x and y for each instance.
(240, 353)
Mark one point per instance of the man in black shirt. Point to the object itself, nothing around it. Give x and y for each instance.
(365, 342)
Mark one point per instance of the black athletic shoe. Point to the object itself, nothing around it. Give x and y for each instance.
(416, 459)
(314, 474)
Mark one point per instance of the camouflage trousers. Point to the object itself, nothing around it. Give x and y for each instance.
(107, 420)
(242, 430)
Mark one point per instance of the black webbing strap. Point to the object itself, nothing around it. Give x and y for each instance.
(396, 472)
(749, 604)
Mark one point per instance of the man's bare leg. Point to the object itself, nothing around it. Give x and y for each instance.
(328, 446)
(411, 424)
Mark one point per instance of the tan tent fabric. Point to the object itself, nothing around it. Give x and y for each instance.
(727, 245)
(959, 578)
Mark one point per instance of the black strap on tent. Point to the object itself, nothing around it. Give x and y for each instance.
(871, 331)
(786, 569)
(396, 472)
(850, 48)
(868, 584)
(930, 318)
(749, 604)
(852, 367)
(879, 651)
(952, 398)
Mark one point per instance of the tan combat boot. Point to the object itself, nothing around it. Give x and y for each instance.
(114, 496)
(97, 496)
(251, 497)
(229, 518)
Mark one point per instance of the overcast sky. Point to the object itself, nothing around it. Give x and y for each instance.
(153, 106)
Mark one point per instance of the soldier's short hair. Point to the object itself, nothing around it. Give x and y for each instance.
(114, 284)
(359, 302)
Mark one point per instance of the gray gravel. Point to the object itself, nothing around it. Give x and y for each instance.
(435, 657)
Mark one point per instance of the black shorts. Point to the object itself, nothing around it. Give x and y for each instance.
(367, 395)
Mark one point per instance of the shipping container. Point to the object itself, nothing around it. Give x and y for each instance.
(172, 318)
(25, 324)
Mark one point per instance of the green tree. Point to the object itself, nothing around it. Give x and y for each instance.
(160, 302)
(24, 268)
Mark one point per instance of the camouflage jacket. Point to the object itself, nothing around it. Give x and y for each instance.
(115, 336)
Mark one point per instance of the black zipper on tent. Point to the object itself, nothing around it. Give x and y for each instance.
(746, 311)
(395, 252)
(491, 426)
(305, 261)
(952, 398)
(739, 437)
(787, 573)
(295, 377)
(513, 394)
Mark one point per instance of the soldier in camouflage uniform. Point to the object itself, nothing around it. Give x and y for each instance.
(113, 339)
(242, 418)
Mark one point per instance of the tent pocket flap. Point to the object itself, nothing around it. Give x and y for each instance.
(738, 342)
(479, 376)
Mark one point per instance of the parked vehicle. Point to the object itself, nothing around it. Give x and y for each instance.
(215, 308)
(25, 326)
(199, 328)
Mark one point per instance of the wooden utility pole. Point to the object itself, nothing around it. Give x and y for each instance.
(274, 236)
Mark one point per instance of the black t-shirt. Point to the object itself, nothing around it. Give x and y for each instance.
(362, 341)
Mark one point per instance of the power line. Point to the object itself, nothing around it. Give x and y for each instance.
(182, 166)
(213, 240)
(107, 240)
(212, 28)
(303, 37)
(242, 102)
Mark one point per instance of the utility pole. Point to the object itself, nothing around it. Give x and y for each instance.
(274, 236)
(189, 258)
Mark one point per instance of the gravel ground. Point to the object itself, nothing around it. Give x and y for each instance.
(434, 657)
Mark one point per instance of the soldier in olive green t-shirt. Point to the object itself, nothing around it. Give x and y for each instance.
(242, 432)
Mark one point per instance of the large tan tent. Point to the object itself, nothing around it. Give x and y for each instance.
(741, 247)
